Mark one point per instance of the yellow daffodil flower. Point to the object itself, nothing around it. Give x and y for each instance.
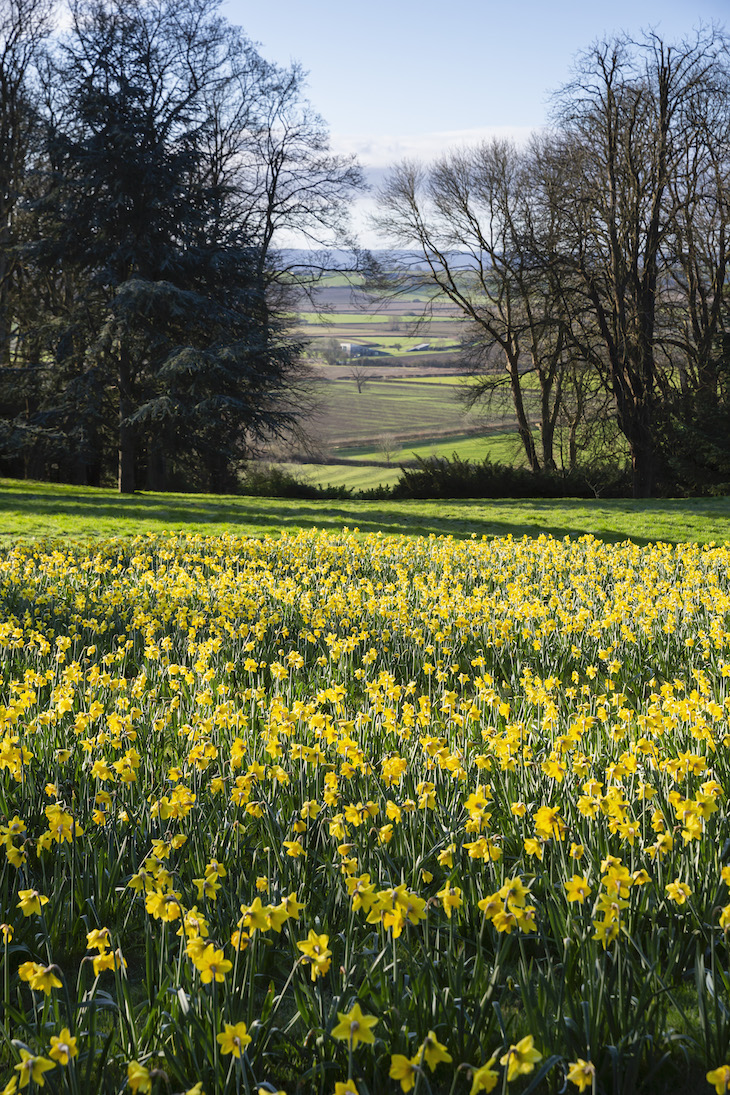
(521, 1059)
(233, 1039)
(354, 1027)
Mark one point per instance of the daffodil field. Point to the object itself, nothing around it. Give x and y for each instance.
(355, 815)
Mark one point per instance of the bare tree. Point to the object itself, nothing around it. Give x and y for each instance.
(333, 353)
(472, 220)
(698, 245)
(600, 254)
(389, 445)
(270, 152)
(359, 372)
(624, 131)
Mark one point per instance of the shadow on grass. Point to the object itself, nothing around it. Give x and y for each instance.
(85, 510)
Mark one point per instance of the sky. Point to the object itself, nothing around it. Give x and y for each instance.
(412, 78)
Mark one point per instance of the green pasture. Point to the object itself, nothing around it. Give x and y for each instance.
(530, 382)
(50, 511)
(342, 279)
(345, 475)
(408, 342)
(502, 448)
(326, 320)
(391, 340)
(451, 380)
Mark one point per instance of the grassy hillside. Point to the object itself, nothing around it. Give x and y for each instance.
(408, 410)
(502, 447)
(373, 470)
(355, 477)
(85, 513)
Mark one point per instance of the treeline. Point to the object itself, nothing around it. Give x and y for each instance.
(597, 280)
(148, 158)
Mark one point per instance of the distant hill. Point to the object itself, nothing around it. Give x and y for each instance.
(344, 260)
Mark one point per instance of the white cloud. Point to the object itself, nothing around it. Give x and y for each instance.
(383, 150)
(379, 152)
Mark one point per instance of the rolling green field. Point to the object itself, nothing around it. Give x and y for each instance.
(502, 448)
(405, 410)
(44, 510)
(398, 346)
(422, 413)
(345, 475)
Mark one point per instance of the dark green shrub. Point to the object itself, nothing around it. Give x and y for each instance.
(268, 481)
(437, 477)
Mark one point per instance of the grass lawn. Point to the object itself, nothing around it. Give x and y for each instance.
(43, 510)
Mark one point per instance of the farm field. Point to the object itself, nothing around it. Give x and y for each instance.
(382, 318)
(412, 397)
(408, 417)
(438, 380)
(344, 313)
(358, 814)
(405, 410)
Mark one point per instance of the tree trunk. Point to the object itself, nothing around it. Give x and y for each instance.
(548, 417)
(523, 425)
(219, 474)
(548, 446)
(5, 314)
(156, 468)
(126, 429)
(573, 444)
(635, 421)
(642, 466)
